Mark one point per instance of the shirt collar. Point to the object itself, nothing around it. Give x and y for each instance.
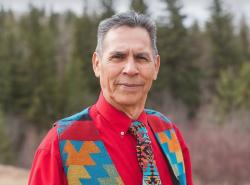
(116, 118)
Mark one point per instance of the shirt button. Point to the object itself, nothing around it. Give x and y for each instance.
(122, 133)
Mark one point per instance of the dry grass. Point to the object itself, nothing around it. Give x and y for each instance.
(13, 176)
(220, 155)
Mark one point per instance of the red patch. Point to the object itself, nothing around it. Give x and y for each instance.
(158, 125)
(81, 130)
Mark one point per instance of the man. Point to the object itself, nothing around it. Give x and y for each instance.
(116, 140)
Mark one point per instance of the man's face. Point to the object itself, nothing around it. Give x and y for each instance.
(127, 66)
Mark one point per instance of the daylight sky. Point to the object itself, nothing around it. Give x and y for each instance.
(194, 9)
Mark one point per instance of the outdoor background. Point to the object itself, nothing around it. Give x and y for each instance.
(203, 85)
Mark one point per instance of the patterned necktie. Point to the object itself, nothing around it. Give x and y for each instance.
(145, 154)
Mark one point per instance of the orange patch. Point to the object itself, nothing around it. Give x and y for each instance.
(173, 143)
(82, 157)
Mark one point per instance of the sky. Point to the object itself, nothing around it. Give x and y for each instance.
(194, 9)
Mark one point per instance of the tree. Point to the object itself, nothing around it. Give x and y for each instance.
(6, 155)
(234, 89)
(84, 44)
(228, 79)
(225, 51)
(9, 56)
(85, 30)
(5, 63)
(139, 6)
(37, 69)
(108, 9)
(244, 39)
(77, 91)
(179, 71)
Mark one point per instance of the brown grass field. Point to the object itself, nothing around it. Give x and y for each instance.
(10, 175)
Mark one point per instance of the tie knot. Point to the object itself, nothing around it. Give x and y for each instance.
(138, 129)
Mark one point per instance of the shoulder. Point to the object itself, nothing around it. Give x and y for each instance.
(48, 148)
(157, 114)
(47, 165)
(158, 121)
(64, 123)
(49, 140)
(80, 116)
(77, 127)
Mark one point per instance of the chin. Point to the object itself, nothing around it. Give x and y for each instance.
(128, 99)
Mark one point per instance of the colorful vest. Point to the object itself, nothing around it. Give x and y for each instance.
(86, 160)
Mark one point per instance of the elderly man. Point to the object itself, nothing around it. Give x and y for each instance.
(116, 140)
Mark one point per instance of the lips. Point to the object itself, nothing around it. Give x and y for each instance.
(131, 84)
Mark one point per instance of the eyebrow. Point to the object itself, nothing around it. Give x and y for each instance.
(118, 53)
(142, 54)
(125, 53)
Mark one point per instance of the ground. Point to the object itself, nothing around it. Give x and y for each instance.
(13, 176)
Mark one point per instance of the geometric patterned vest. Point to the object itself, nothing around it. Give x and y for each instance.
(86, 160)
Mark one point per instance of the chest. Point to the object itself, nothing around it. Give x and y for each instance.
(94, 158)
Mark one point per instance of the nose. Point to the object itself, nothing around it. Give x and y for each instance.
(130, 67)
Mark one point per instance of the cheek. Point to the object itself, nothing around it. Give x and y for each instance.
(148, 76)
(104, 79)
(107, 77)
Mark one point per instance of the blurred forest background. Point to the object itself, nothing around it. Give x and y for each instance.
(203, 85)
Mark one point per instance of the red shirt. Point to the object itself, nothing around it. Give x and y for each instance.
(112, 126)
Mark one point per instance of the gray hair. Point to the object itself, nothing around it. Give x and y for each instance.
(131, 19)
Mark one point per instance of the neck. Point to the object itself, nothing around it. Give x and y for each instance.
(133, 111)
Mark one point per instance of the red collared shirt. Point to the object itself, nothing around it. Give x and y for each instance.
(112, 126)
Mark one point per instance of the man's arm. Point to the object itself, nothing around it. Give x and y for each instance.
(47, 166)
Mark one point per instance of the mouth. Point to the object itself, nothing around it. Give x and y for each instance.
(130, 87)
(130, 84)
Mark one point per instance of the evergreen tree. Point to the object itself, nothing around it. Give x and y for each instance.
(225, 51)
(244, 39)
(60, 27)
(229, 79)
(85, 31)
(37, 70)
(4, 62)
(233, 89)
(179, 71)
(108, 9)
(81, 82)
(6, 155)
(139, 6)
(77, 91)
(83, 46)
(243, 86)
(9, 55)
(53, 23)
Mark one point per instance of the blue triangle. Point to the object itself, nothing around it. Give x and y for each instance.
(77, 144)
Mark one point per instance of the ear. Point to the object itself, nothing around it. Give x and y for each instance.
(96, 64)
(157, 63)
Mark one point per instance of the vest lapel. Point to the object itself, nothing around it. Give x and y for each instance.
(168, 141)
(87, 162)
(84, 156)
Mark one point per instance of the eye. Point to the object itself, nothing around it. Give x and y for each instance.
(142, 59)
(118, 57)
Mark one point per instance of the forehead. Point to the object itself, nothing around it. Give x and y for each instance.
(124, 38)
